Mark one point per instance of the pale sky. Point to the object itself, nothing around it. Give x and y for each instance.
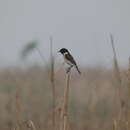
(83, 26)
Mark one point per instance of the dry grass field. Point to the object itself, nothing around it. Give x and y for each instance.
(94, 100)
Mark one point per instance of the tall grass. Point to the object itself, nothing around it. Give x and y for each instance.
(18, 104)
(93, 77)
(114, 125)
(52, 79)
(122, 110)
(117, 71)
(83, 114)
(29, 47)
(129, 77)
(65, 116)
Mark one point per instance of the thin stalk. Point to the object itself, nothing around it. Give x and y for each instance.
(52, 79)
(129, 93)
(114, 125)
(18, 104)
(116, 69)
(129, 77)
(41, 55)
(64, 115)
(122, 110)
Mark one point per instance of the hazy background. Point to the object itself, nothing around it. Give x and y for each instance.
(82, 26)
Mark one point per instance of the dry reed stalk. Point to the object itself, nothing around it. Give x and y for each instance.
(64, 116)
(129, 77)
(129, 92)
(18, 105)
(122, 111)
(117, 71)
(52, 79)
(127, 125)
(116, 66)
(18, 108)
(114, 125)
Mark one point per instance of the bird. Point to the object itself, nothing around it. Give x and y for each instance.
(68, 58)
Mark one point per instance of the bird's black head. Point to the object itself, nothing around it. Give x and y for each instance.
(63, 50)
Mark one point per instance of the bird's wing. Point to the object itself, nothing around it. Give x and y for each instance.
(70, 58)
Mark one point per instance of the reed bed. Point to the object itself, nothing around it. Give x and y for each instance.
(77, 111)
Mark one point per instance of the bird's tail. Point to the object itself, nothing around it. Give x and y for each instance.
(77, 69)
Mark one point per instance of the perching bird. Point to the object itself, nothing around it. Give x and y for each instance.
(68, 58)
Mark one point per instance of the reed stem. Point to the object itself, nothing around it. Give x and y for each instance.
(64, 115)
(52, 79)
